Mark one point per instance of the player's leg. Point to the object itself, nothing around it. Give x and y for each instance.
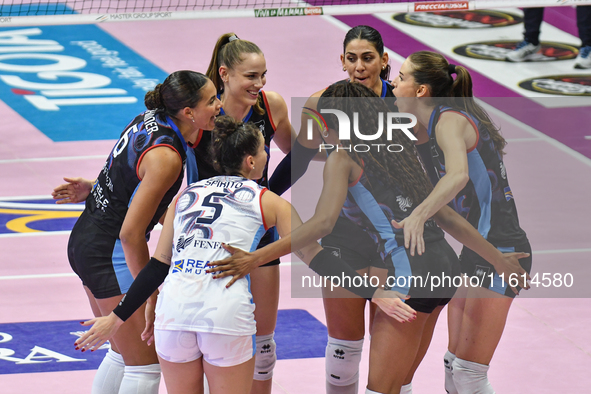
(181, 360)
(265, 293)
(109, 374)
(228, 362)
(394, 347)
(485, 314)
(142, 371)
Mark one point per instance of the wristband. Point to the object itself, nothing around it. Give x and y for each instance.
(142, 288)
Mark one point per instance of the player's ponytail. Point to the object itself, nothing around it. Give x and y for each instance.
(232, 141)
(228, 52)
(433, 70)
(402, 169)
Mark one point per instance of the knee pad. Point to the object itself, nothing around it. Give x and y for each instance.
(448, 360)
(109, 374)
(471, 378)
(406, 389)
(143, 379)
(265, 357)
(342, 361)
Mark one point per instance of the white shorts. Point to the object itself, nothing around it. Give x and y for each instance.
(219, 350)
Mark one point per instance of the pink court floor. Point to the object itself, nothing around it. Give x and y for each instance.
(545, 348)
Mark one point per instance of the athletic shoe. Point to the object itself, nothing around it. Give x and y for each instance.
(523, 52)
(584, 58)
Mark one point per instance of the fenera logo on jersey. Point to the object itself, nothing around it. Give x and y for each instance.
(498, 50)
(566, 85)
(473, 19)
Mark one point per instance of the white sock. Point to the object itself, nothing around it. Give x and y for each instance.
(109, 374)
(205, 385)
(471, 377)
(448, 360)
(406, 389)
(141, 379)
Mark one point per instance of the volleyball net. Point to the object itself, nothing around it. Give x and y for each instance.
(24, 12)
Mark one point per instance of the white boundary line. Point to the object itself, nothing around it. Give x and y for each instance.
(35, 234)
(38, 276)
(283, 263)
(569, 151)
(46, 159)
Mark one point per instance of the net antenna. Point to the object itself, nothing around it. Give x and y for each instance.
(70, 12)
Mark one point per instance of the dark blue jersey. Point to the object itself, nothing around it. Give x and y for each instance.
(119, 179)
(486, 201)
(372, 205)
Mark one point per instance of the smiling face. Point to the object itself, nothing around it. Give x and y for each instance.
(206, 110)
(363, 63)
(245, 80)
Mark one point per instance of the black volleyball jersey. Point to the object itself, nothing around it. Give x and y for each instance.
(486, 201)
(118, 181)
(203, 157)
(372, 205)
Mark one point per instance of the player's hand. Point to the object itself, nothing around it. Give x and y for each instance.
(413, 233)
(103, 329)
(76, 190)
(390, 302)
(148, 333)
(238, 265)
(512, 271)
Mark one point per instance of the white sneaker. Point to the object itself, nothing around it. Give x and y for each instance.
(584, 58)
(523, 52)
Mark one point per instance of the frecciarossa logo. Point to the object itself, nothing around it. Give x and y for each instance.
(73, 82)
(442, 6)
(473, 19)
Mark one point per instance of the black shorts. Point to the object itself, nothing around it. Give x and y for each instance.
(475, 266)
(428, 278)
(269, 237)
(98, 259)
(354, 246)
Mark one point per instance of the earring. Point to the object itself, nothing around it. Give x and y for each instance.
(253, 168)
(193, 120)
(383, 67)
(344, 69)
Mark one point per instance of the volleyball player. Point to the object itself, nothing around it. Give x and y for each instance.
(466, 147)
(371, 188)
(202, 325)
(108, 244)
(365, 61)
(238, 70)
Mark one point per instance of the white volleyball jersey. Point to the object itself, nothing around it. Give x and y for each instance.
(215, 210)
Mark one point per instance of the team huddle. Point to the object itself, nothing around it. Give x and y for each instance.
(207, 298)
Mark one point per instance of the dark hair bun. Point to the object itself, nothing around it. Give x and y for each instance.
(231, 141)
(153, 99)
